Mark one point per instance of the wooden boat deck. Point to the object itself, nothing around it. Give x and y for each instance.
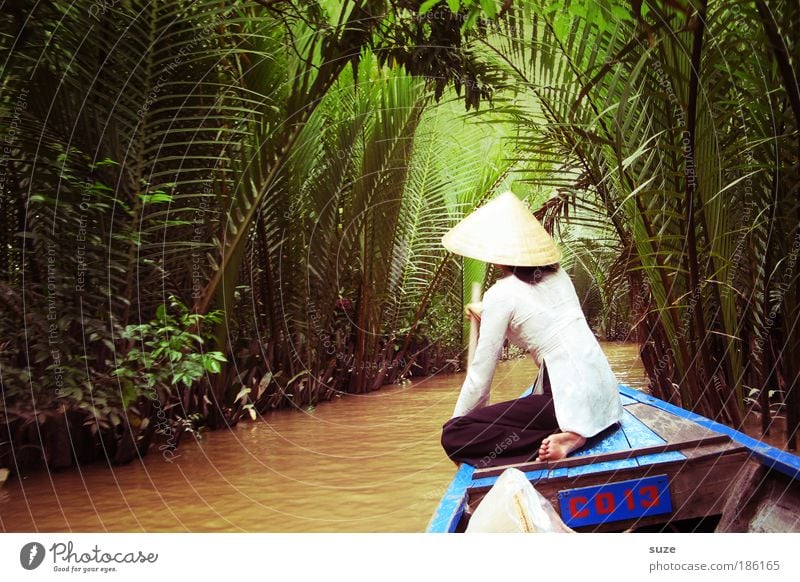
(699, 462)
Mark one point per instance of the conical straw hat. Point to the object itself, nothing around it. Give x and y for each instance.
(503, 232)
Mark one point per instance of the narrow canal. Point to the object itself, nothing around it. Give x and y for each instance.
(363, 463)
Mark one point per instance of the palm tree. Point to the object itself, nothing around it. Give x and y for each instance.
(661, 130)
(229, 155)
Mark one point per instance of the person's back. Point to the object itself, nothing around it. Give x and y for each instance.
(547, 321)
(541, 309)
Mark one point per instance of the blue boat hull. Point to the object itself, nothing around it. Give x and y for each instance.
(662, 464)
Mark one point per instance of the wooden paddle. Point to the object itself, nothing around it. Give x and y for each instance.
(474, 324)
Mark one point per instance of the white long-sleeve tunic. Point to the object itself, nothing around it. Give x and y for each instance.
(545, 319)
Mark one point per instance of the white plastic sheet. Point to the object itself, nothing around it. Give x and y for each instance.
(513, 505)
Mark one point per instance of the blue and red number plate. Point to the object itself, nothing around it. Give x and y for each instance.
(615, 501)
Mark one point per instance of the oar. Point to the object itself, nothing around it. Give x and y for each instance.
(474, 324)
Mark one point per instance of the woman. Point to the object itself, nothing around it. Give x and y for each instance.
(535, 305)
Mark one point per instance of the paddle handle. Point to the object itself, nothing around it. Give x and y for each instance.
(474, 324)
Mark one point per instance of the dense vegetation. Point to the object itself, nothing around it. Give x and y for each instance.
(215, 208)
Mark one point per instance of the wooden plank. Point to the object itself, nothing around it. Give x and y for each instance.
(734, 513)
(557, 473)
(763, 501)
(650, 470)
(771, 457)
(641, 435)
(664, 457)
(610, 440)
(492, 479)
(603, 457)
(638, 436)
(716, 450)
(602, 466)
(698, 486)
(776, 505)
(703, 450)
(669, 427)
(626, 400)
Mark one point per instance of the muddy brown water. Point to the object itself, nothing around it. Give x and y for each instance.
(361, 463)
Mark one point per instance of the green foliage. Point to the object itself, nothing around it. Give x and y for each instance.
(663, 139)
(223, 194)
(472, 10)
(289, 171)
(165, 352)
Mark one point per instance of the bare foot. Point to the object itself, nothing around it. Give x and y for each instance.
(559, 445)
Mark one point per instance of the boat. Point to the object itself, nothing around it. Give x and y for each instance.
(662, 468)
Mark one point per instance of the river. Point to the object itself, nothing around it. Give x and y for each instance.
(361, 463)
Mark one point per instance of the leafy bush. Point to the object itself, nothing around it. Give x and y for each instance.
(166, 353)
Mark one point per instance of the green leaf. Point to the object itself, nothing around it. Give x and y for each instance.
(621, 12)
(454, 5)
(562, 25)
(100, 187)
(104, 162)
(489, 7)
(471, 20)
(211, 365)
(427, 5)
(156, 198)
(129, 394)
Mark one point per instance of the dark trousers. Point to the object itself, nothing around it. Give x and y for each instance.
(501, 434)
(504, 433)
